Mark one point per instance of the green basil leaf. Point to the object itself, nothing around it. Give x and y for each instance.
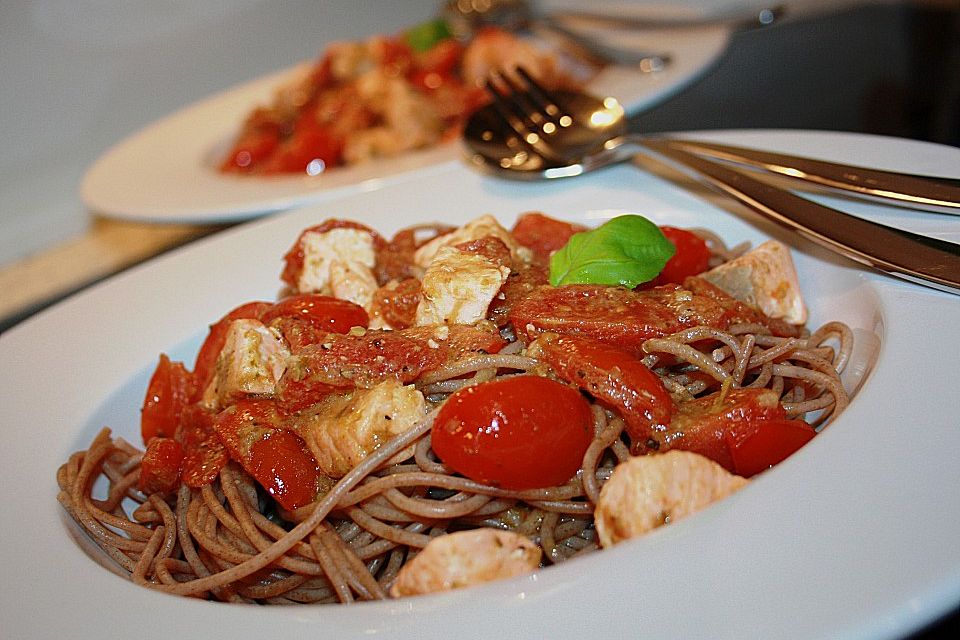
(626, 250)
(426, 35)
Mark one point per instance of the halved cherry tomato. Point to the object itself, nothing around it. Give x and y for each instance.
(543, 234)
(160, 466)
(347, 361)
(691, 258)
(308, 143)
(260, 138)
(307, 318)
(203, 453)
(758, 445)
(397, 302)
(324, 312)
(515, 433)
(170, 389)
(612, 376)
(205, 365)
(705, 424)
(255, 436)
(283, 464)
(251, 151)
(523, 280)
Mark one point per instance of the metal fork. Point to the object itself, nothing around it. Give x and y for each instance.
(537, 118)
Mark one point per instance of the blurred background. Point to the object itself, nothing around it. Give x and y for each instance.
(80, 75)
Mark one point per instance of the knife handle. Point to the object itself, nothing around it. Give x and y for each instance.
(906, 188)
(910, 256)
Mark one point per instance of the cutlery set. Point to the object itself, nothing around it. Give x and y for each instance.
(530, 133)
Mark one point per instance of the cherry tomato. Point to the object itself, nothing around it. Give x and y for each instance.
(205, 365)
(758, 445)
(307, 144)
(255, 435)
(692, 256)
(324, 312)
(612, 376)
(250, 152)
(259, 140)
(706, 424)
(283, 464)
(543, 234)
(203, 453)
(170, 389)
(160, 466)
(522, 281)
(308, 318)
(397, 302)
(516, 433)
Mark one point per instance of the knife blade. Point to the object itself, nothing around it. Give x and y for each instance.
(910, 256)
(906, 188)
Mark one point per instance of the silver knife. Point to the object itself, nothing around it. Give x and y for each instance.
(737, 19)
(913, 257)
(905, 188)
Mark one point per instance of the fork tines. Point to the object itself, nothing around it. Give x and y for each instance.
(531, 110)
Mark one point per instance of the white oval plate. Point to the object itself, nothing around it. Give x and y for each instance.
(167, 171)
(854, 536)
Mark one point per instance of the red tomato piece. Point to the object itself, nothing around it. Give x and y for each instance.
(760, 444)
(170, 389)
(206, 363)
(702, 425)
(396, 302)
(306, 318)
(621, 317)
(284, 466)
(251, 151)
(691, 258)
(612, 376)
(256, 144)
(521, 282)
(361, 361)
(203, 453)
(307, 144)
(625, 318)
(489, 247)
(516, 433)
(737, 311)
(160, 466)
(325, 312)
(543, 234)
(256, 436)
(395, 258)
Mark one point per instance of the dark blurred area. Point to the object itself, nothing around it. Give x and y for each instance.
(890, 69)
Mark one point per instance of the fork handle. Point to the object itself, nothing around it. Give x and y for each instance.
(919, 259)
